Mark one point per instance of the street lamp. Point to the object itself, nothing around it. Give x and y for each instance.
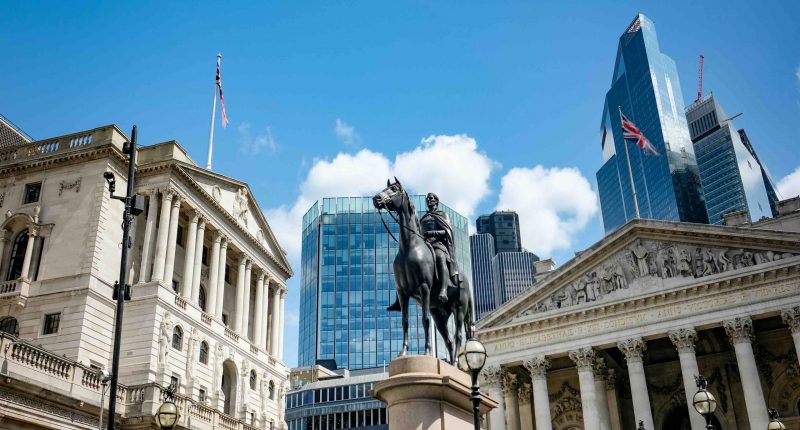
(471, 359)
(167, 414)
(774, 421)
(704, 402)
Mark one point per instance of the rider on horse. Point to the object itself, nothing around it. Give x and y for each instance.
(435, 225)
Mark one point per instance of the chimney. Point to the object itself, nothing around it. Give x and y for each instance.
(543, 268)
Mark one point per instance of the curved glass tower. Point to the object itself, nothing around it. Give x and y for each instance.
(347, 281)
(645, 86)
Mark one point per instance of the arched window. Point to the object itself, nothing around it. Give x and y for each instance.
(204, 352)
(253, 379)
(271, 390)
(9, 325)
(17, 255)
(201, 300)
(177, 338)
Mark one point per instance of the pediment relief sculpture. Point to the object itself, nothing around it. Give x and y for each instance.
(643, 262)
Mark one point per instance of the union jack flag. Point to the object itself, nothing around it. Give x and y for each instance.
(630, 131)
(221, 98)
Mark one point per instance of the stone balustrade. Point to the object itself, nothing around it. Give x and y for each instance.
(18, 289)
(62, 144)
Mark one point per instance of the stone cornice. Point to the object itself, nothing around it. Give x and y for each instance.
(735, 237)
(178, 168)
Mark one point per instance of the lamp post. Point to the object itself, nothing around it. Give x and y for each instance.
(167, 415)
(104, 378)
(471, 359)
(703, 401)
(774, 421)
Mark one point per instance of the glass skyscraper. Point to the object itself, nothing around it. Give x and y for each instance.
(347, 283)
(646, 87)
(733, 178)
(504, 228)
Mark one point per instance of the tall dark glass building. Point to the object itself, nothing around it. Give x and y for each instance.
(772, 190)
(347, 283)
(646, 87)
(733, 178)
(482, 251)
(504, 228)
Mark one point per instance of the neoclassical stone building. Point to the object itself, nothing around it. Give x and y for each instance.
(208, 290)
(616, 335)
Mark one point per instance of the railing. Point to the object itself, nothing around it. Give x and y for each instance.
(202, 413)
(41, 359)
(206, 318)
(180, 302)
(227, 423)
(231, 334)
(61, 144)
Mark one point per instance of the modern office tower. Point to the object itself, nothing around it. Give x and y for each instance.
(504, 227)
(646, 88)
(498, 277)
(347, 282)
(772, 189)
(732, 177)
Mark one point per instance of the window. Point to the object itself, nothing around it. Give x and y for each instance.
(32, 192)
(17, 255)
(201, 299)
(205, 255)
(252, 379)
(179, 237)
(204, 352)
(252, 418)
(9, 325)
(175, 382)
(51, 322)
(225, 319)
(228, 274)
(271, 390)
(175, 286)
(201, 395)
(177, 338)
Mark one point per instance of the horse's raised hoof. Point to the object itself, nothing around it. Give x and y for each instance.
(395, 307)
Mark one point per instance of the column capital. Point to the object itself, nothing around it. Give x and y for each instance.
(600, 369)
(791, 317)
(167, 194)
(248, 265)
(633, 349)
(683, 339)
(739, 329)
(242, 259)
(201, 224)
(492, 376)
(583, 358)
(524, 393)
(510, 382)
(260, 277)
(176, 200)
(611, 380)
(223, 240)
(216, 237)
(194, 217)
(537, 367)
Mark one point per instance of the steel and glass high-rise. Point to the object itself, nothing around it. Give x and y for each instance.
(504, 228)
(733, 178)
(645, 86)
(347, 282)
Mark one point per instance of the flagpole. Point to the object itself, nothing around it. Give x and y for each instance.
(213, 115)
(630, 171)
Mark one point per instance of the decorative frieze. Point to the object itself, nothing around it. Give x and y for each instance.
(68, 185)
(739, 330)
(632, 348)
(584, 358)
(683, 339)
(537, 367)
(791, 317)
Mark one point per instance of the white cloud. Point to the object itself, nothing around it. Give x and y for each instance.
(346, 133)
(263, 142)
(451, 166)
(789, 186)
(554, 204)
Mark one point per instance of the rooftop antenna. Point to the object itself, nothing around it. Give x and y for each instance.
(700, 84)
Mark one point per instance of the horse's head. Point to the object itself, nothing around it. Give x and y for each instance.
(391, 198)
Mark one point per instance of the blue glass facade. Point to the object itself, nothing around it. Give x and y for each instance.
(347, 282)
(482, 250)
(733, 178)
(646, 87)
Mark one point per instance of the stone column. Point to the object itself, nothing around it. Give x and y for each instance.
(790, 317)
(600, 372)
(222, 263)
(26, 262)
(740, 332)
(188, 257)
(257, 321)
(248, 273)
(264, 322)
(149, 233)
(163, 232)
(684, 340)
(525, 412)
(633, 349)
(613, 402)
(169, 262)
(510, 387)
(213, 274)
(282, 314)
(537, 367)
(273, 340)
(492, 383)
(197, 271)
(238, 309)
(584, 360)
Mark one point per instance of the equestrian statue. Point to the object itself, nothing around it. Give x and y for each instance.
(425, 268)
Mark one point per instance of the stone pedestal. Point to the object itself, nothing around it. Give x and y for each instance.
(424, 393)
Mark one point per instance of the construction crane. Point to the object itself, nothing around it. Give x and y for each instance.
(700, 84)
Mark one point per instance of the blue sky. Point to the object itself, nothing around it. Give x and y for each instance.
(336, 95)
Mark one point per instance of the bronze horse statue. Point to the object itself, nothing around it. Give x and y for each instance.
(415, 275)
